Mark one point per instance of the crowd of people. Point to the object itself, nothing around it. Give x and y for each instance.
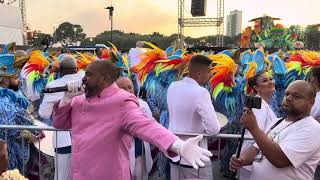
(117, 109)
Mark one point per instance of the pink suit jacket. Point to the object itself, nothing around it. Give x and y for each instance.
(102, 129)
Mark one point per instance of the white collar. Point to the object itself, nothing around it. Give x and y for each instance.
(191, 81)
(69, 75)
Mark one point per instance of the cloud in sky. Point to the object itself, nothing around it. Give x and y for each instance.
(147, 16)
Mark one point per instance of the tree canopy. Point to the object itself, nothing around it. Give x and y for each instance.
(128, 40)
(68, 33)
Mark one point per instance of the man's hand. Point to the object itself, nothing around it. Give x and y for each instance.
(191, 151)
(34, 138)
(248, 119)
(74, 89)
(235, 163)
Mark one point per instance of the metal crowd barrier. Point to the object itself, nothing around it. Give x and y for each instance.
(40, 166)
(6, 128)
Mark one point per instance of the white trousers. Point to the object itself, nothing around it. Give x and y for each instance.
(190, 173)
(62, 164)
(140, 170)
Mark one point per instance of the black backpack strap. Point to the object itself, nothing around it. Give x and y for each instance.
(277, 123)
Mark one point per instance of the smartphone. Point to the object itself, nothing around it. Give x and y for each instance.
(253, 102)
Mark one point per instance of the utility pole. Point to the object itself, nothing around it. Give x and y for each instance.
(75, 36)
(111, 9)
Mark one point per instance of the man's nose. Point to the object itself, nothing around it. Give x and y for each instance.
(289, 98)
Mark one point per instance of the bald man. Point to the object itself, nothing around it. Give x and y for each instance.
(103, 120)
(68, 71)
(290, 148)
(139, 169)
(127, 85)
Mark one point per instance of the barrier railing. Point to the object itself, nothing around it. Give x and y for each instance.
(45, 164)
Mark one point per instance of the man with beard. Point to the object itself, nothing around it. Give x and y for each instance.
(13, 112)
(290, 148)
(103, 121)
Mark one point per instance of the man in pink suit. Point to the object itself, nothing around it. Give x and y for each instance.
(103, 121)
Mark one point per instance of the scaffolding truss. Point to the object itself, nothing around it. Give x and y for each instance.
(201, 22)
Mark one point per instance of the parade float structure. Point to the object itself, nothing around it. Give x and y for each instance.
(11, 27)
(269, 34)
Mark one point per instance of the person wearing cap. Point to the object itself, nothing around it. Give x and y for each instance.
(13, 112)
(191, 110)
(103, 120)
(62, 145)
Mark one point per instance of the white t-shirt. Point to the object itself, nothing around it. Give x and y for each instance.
(265, 117)
(300, 142)
(315, 111)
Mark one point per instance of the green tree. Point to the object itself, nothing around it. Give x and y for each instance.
(68, 33)
(42, 39)
(312, 37)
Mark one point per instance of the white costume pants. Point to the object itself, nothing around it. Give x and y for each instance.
(190, 173)
(62, 164)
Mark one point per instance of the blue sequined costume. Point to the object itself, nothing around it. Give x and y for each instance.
(13, 112)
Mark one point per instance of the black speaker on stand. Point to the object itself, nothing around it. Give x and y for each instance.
(198, 8)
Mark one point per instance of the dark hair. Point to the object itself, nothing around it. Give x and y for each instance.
(98, 52)
(315, 72)
(201, 60)
(254, 79)
(143, 93)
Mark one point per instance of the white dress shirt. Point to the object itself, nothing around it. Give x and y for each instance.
(134, 55)
(190, 108)
(144, 107)
(315, 111)
(50, 99)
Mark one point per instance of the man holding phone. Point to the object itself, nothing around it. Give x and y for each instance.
(290, 148)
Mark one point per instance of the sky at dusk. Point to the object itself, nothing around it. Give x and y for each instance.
(147, 16)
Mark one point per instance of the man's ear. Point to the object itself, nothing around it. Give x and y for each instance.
(6, 80)
(107, 77)
(198, 74)
(255, 88)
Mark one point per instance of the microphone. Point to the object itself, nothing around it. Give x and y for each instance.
(55, 89)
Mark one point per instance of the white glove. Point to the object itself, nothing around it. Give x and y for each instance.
(74, 89)
(191, 151)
